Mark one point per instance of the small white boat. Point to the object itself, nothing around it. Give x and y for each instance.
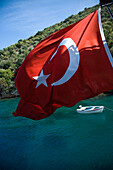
(90, 109)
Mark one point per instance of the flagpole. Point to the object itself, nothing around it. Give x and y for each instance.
(107, 4)
(110, 12)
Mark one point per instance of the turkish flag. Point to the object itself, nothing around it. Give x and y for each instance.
(68, 66)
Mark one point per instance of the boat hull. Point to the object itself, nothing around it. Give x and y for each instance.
(90, 109)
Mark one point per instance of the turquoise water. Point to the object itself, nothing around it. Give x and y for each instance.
(64, 141)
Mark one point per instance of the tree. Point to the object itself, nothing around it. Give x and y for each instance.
(3, 85)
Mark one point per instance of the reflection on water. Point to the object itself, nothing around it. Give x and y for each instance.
(65, 140)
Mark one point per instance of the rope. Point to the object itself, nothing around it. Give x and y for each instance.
(108, 108)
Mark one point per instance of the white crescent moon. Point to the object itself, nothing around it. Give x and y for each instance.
(74, 60)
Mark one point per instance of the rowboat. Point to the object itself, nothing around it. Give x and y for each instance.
(90, 109)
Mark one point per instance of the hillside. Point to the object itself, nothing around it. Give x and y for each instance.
(12, 57)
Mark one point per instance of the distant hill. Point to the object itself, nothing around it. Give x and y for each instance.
(12, 57)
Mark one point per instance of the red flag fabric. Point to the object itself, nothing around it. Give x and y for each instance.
(70, 65)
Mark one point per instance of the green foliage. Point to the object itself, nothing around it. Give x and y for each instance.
(6, 64)
(7, 74)
(19, 62)
(3, 85)
(5, 81)
(13, 56)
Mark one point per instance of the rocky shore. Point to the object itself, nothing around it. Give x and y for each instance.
(13, 94)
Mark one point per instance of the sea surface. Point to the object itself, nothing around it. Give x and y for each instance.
(64, 141)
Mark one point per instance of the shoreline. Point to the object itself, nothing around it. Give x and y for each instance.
(13, 96)
(9, 97)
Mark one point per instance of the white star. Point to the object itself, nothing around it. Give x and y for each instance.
(41, 79)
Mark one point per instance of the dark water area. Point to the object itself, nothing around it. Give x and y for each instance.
(64, 141)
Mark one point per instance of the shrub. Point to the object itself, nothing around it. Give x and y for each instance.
(3, 85)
